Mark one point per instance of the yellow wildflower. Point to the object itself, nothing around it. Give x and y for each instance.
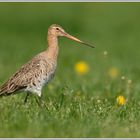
(121, 100)
(81, 67)
(113, 72)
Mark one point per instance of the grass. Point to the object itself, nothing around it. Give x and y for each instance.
(77, 105)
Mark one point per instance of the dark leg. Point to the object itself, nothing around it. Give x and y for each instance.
(37, 100)
(41, 102)
(25, 100)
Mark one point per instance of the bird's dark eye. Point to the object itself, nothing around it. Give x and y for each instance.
(57, 28)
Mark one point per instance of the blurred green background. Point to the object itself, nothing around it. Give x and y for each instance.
(112, 27)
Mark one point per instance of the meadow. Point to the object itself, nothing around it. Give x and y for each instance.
(95, 92)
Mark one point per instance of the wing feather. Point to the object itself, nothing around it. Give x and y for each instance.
(23, 77)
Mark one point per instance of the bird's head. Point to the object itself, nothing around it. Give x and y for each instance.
(57, 30)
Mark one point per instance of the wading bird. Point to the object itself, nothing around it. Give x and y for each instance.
(36, 73)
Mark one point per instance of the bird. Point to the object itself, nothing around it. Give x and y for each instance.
(38, 71)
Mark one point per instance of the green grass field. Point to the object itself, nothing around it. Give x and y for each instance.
(77, 105)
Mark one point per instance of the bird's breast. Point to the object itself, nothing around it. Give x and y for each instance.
(47, 72)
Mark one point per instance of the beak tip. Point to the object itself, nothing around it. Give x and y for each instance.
(88, 45)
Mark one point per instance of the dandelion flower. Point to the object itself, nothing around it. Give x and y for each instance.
(113, 72)
(81, 67)
(121, 100)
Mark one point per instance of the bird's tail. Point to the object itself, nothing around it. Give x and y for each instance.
(3, 91)
(6, 90)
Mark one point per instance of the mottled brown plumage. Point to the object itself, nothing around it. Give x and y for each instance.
(32, 76)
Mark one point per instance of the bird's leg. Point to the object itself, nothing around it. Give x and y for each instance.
(27, 95)
(41, 102)
(37, 100)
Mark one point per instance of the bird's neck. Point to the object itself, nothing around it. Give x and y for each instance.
(52, 50)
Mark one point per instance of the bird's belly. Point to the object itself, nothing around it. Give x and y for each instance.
(41, 81)
(44, 75)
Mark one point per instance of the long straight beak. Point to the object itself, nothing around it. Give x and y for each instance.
(74, 38)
